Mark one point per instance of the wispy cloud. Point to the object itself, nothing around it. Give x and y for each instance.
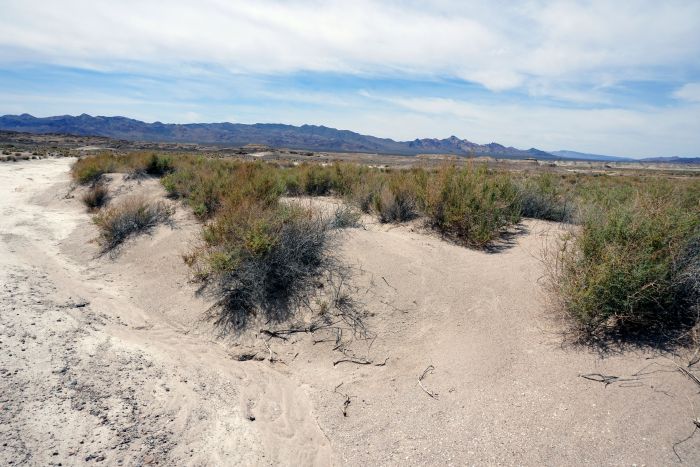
(688, 92)
(629, 132)
(502, 46)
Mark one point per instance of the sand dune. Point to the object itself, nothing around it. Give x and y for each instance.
(109, 359)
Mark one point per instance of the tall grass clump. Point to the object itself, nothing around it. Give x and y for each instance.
(132, 216)
(631, 268)
(471, 205)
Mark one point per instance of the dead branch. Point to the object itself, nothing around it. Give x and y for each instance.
(274, 334)
(359, 361)
(338, 338)
(429, 369)
(283, 333)
(696, 422)
(606, 379)
(247, 356)
(687, 374)
(694, 359)
(387, 283)
(346, 402)
(393, 307)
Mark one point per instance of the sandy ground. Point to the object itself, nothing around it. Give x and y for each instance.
(101, 358)
(109, 360)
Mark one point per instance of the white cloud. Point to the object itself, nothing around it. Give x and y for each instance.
(501, 45)
(650, 131)
(688, 92)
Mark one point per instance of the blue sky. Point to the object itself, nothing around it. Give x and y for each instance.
(618, 78)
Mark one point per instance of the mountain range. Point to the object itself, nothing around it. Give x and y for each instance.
(307, 137)
(310, 137)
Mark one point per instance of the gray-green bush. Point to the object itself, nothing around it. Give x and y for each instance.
(129, 217)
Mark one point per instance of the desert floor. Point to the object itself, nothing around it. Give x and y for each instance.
(110, 358)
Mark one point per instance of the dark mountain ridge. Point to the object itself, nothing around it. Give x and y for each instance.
(310, 137)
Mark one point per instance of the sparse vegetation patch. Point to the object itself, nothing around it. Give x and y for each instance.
(628, 267)
(129, 217)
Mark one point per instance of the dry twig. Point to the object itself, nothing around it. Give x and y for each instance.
(429, 369)
(346, 402)
(696, 422)
(359, 361)
(687, 374)
(606, 379)
(387, 283)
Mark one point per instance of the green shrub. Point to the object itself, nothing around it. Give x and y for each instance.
(159, 165)
(263, 260)
(208, 184)
(396, 205)
(89, 169)
(472, 206)
(317, 180)
(628, 268)
(292, 183)
(364, 191)
(541, 197)
(345, 216)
